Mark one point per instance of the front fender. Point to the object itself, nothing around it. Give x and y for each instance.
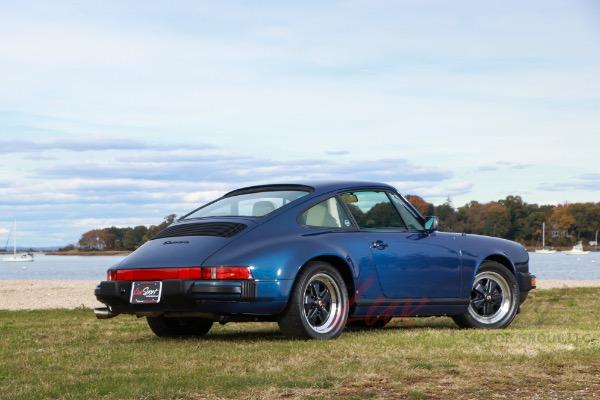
(477, 249)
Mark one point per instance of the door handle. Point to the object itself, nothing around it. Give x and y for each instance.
(379, 245)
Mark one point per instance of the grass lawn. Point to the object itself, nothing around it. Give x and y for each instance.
(552, 350)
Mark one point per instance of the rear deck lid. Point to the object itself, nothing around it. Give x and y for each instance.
(186, 244)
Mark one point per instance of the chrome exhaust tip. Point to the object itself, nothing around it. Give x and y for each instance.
(104, 313)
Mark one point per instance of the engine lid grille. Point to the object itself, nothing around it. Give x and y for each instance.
(221, 229)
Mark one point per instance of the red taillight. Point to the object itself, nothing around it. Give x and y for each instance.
(186, 273)
(111, 275)
(235, 273)
(157, 274)
(206, 274)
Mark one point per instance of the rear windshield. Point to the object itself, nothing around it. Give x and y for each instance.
(256, 204)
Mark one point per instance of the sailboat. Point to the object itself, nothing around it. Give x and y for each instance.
(544, 250)
(17, 257)
(595, 243)
(577, 250)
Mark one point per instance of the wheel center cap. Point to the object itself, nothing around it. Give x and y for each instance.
(488, 297)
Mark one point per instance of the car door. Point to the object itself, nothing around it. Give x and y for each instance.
(411, 264)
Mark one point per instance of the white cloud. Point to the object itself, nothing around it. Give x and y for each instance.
(202, 197)
(99, 223)
(113, 114)
(435, 193)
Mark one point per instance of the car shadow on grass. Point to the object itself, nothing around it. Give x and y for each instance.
(254, 335)
(224, 336)
(396, 325)
(246, 336)
(408, 324)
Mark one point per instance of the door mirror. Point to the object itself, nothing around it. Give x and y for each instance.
(431, 224)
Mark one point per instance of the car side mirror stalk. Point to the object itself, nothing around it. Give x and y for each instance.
(431, 224)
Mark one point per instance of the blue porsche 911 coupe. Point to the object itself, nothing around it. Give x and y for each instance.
(315, 257)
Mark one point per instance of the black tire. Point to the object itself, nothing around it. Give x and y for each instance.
(485, 310)
(318, 318)
(179, 327)
(369, 323)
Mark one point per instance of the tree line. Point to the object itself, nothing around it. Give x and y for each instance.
(510, 218)
(114, 238)
(514, 219)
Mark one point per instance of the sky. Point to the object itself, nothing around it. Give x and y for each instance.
(122, 112)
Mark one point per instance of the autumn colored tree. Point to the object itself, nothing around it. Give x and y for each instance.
(424, 207)
(114, 238)
(491, 219)
(97, 239)
(447, 216)
(471, 216)
(562, 222)
(497, 220)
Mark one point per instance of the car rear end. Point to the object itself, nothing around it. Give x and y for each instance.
(151, 291)
(166, 275)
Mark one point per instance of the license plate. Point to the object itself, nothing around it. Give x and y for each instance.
(147, 292)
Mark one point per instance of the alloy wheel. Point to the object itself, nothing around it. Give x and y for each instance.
(491, 298)
(322, 303)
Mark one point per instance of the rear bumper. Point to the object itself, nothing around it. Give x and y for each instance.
(186, 296)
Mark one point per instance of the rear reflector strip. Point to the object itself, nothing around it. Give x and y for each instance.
(184, 273)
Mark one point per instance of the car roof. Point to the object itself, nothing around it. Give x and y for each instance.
(317, 187)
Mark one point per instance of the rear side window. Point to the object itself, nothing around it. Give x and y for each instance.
(326, 214)
(257, 204)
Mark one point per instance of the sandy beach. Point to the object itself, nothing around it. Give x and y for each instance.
(554, 284)
(29, 294)
(25, 294)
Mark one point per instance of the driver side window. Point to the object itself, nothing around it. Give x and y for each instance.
(373, 210)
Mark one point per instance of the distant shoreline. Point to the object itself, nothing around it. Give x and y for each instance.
(127, 252)
(89, 253)
(559, 248)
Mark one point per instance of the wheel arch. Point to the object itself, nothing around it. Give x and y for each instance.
(500, 259)
(464, 320)
(340, 264)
